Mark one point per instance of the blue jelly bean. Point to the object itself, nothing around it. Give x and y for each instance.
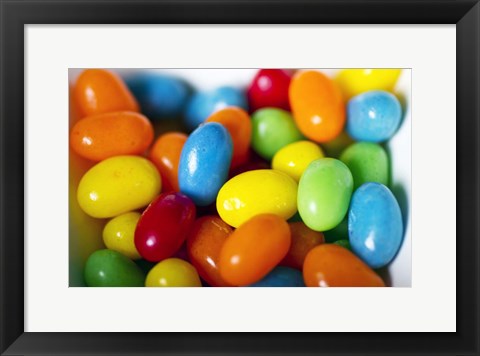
(202, 104)
(159, 96)
(281, 277)
(375, 225)
(373, 116)
(204, 163)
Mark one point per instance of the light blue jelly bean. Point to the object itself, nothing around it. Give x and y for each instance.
(202, 104)
(159, 96)
(204, 163)
(373, 116)
(281, 277)
(375, 225)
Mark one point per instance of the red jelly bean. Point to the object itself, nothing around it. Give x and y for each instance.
(163, 226)
(269, 88)
(204, 243)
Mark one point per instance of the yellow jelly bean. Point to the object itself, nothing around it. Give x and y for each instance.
(118, 185)
(294, 158)
(356, 81)
(257, 192)
(173, 272)
(119, 235)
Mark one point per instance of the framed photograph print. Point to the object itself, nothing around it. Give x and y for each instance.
(240, 153)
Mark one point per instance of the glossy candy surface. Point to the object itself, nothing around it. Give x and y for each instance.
(173, 272)
(204, 243)
(118, 133)
(375, 224)
(324, 193)
(160, 96)
(203, 104)
(106, 268)
(294, 158)
(317, 106)
(303, 240)
(373, 116)
(118, 185)
(257, 192)
(281, 277)
(99, 91)
(272, 130)
(269, 88)
(119, 234)
(239, 126)
(368, 162)
(165, 154)
(163, 226)
(357, 81)
(254, 249)
(204, 163)
(330, 265)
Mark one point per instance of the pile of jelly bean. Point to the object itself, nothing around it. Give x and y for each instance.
(282, 184)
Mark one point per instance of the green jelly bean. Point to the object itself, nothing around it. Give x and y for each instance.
(324, 193)
(339, 232)
(108, 268)
(367, 161)
(343, 243)
(272, 129)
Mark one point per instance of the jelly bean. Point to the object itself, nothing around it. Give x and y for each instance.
(303, 240)
(173, 272)
(163, 226)
(160, 96)
(367, 161)
(294, 158)
(336, 146)
(257, 192)
(204, 244)
(373, 116)
(204, 163)
(269, 88)
(343, 243)
(119, 234)
(317, 106)
(99, 91)
(99, 137)
(106, 268)
(165, 154)
(118, 185)
(324, 193)
(239, 126)
(330, 265)
(281, 277)
(272, 130)
(203, 104)
(356, 81)
(375, 224)
(254, 249)
(339, 232)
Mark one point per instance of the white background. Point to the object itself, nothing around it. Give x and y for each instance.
(428, 306)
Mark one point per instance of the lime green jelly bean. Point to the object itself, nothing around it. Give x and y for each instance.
(367, 161)
(107, 268)
(273, 129)
(324, 193)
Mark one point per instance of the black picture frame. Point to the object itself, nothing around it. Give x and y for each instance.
(15, 14)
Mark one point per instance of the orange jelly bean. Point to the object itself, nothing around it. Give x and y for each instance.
(204, 243)
(99, 137)
(303, 240)
(99, 91)
(317, 106)
(330, 265)
(165, 154)
(239, 126)
(254, 249)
